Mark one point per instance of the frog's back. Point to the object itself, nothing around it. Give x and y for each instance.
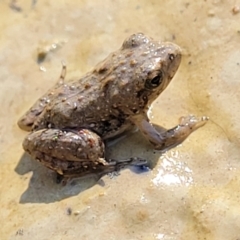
(120, 86)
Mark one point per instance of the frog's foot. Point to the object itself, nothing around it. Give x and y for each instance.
(113, 174)
(112, 169)
(134, 161)
(123, 163)
(166, 139)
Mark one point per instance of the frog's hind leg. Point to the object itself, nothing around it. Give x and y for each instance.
(111, 167)
(69, 153)
(73, 153)
(26, 122)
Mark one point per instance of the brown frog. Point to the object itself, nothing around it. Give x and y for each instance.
(71, 122)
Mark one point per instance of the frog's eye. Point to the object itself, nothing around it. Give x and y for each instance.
(155, 81)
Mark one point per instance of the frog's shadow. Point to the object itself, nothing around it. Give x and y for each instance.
(44, 189)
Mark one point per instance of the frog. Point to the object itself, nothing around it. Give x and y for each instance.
(71, 123)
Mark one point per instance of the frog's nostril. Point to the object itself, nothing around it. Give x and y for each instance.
(25, 125)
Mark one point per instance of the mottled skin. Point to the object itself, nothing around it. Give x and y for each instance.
(70, 123)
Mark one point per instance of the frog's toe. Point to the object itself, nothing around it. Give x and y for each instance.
(140, 169)
(136, 161)
(193, 122)
(60, 179)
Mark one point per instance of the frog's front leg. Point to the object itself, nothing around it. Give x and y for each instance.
(73, 153)
(166, 139)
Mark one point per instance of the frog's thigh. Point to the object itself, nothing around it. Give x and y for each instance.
(66, 151)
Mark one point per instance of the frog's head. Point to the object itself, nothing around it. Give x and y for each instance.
(153, 66)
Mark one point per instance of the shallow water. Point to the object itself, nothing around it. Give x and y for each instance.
(192, 192)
